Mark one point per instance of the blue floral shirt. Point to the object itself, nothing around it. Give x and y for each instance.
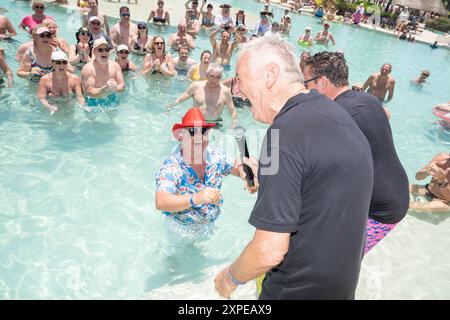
(177, 177)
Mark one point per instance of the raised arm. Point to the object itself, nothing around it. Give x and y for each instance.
(11, 32)
(105, 21)
(212, 38)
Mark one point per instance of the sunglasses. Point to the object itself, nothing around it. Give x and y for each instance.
(159, 43)
(39, 7)
(425, 75)
(125, 14)
(309, 80)
(123, 51)
(357, 89)
(45, 35)
(142, 27)
(85, 34)
(96, 23)
(194, 131)
(104, 50)
(160, 3)
(60, 62)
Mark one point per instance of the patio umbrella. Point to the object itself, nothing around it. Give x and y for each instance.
(435, 6)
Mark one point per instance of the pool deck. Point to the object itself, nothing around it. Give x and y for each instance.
(426, 36)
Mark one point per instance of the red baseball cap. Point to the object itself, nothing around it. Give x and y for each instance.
(192, 118)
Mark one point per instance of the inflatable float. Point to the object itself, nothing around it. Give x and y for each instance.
(443, 112)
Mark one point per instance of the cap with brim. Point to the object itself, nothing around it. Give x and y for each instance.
(123, 47)
(99, 42)
(59, 55)
(226, 5)
(193, 118)
(42, 30)
(308, 28)
(94, 18)
(266, 13)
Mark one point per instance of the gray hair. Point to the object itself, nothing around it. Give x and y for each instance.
(274, 49)
(215, 68)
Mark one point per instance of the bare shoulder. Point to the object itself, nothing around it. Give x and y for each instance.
(87, 69)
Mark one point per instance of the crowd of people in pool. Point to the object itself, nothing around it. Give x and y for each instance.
(339, 197)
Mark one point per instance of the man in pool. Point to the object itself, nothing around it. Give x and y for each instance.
(189, 181)
(124, 30)
(95, 27)
(59, 83)
(324, 36)
(102, 78)
(223, 51)
(181, 38)
(380, 83)
(183, 62)
(211, 96)
(438, 190)
(7, 30)
(327, 72)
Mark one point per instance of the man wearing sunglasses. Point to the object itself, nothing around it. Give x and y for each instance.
(95, 27)
(210, 95)
(327, 72)
(59, 83)
(102, 78)
(189, 181)
(124, 30)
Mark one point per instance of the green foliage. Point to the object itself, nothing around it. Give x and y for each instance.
(439, 24)
(343, 7)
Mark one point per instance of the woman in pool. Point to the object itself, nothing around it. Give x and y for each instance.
(159, 17)
(198, 71)
(140, 44)
(56, 42)
(80, 53)
(239, 99)
(286, 25)
(207, 16)
(30, 22)
(6, 70)
(95, 12)
(37, 61)
(122, 58)
(157, 61)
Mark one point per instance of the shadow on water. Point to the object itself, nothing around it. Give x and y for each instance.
(78, 135)
(186, 264)
(429, 217)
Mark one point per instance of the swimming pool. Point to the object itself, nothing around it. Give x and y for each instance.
(77, 216)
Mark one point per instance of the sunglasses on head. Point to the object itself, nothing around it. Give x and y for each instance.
(60, 62)
(194, 131)
(104, 50)
(123, 51)
(45, 35)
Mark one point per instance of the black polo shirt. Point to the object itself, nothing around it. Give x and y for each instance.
(320, 194)
(390, 195)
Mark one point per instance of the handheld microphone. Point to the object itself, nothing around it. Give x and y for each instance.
(239, 134)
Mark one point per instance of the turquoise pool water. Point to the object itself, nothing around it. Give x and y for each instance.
(77, 216)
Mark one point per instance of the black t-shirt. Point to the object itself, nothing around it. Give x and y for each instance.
(390, 195)
(320, 194)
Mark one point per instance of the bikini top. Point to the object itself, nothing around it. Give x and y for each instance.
(35, 64)
(207, 22)
(161, 19)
